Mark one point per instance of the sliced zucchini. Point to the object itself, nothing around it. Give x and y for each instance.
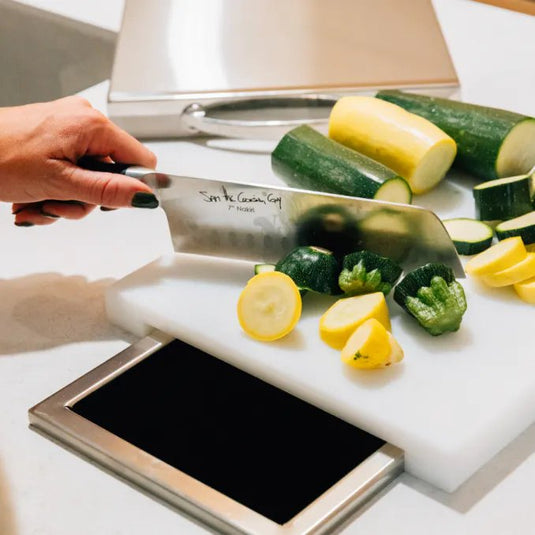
(410, 145)
(433, 297)
(523, 226)
(491, 143)
(366, 272)
(503, 198)
(263, 268)
(307, 159)
(469, 235)
(312, 268)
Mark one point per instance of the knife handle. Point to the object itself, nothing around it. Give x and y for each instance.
(92, 164)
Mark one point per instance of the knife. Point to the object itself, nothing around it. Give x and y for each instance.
(263, 223)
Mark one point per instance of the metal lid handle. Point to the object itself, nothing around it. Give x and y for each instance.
(308, 109)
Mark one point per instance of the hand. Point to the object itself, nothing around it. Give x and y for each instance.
(39, 147)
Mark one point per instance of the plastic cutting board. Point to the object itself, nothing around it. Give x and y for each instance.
(453, 403)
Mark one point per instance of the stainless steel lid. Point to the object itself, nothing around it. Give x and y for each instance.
(175, 53)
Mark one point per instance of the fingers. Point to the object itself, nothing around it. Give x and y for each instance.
(105, 189)
(47, 212)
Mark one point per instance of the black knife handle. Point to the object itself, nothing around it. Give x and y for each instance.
(92, 164)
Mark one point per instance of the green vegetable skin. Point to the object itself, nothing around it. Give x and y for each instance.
(312, 268)
(431, 294)
(307, 159)
(365, 272)
(491, 143)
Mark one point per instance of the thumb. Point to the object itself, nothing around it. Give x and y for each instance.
(106, 189)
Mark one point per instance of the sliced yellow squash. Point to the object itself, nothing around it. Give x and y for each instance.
(525, 269)
(408, 144)
(340, 321)
(371, 346)
(526, 290)
(498, 257)
(269, 306)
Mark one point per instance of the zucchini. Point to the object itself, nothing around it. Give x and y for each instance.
(503, 198)
(307, 159)
(469, 235)
(263, 268)
(491, 143)
(523, 226)
(312, 268)
(365, 272)
(411, 146)
(433, 297)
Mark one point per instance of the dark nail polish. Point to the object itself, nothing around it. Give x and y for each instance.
(47, 214)
(18, 210)
(144, 200)
(24, 224)
(107, 209)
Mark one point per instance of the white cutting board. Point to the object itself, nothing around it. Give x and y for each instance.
(452, 404)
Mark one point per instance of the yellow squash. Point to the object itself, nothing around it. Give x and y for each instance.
(269, 306)
(340, 321)
(498, 257)
(525, 269)
(408, 144)
(371, 346)
(526, 290)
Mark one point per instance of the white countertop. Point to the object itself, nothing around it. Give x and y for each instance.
(53, 329)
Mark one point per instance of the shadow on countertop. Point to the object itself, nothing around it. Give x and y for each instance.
(49, 309)
(8, 525)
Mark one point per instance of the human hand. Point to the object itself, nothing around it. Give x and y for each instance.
(39, 147)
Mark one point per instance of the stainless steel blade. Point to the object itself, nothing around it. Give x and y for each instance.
(263, 223)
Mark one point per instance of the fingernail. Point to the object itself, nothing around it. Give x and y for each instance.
(18, 210)
(23, 224)
(47, 214)
(144, 200)
(107, 209)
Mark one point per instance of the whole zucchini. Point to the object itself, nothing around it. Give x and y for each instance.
(491, 143)
(307, 159)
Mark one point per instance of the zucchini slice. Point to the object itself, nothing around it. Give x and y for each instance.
(433, 297)
(307, 159)
(469, 235)
(312, 268)
(491, 143)
(503, 198)
(523, 226)
(410, 145)
(366, 272)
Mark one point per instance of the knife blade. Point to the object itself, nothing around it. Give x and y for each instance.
(262, 223)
